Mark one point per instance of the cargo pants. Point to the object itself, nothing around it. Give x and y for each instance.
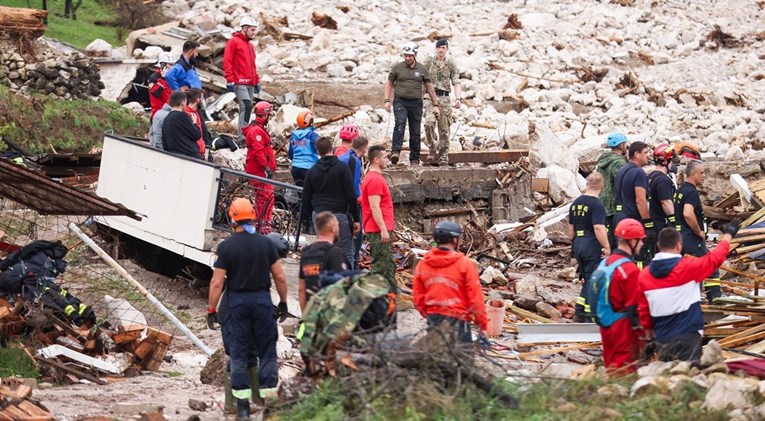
(383, 261)
(438, 140)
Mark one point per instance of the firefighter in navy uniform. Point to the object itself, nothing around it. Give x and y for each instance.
(244, 264)
(631, 195)
(587, 230)
(661, 191)
(691, 223)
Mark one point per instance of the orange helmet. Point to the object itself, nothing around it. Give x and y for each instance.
(304, 119)
(687, 150)
(629, 229)
(241, 210)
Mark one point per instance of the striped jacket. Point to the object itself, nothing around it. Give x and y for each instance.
(669, 302)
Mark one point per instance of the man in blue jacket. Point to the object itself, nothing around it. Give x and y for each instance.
(183, 75)
(352, 158)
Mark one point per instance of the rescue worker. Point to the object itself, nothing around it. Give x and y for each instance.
(444, 74)
(183, 75)
(353, 159)
(347, 133)
(446, 288)
(377, 216)
(693, 227)
(322, 255)
(261, 162)
(302, 149)
(661, 190)
(587, 231)
(406, 81)
(621, 340)
(159, 90)
(244, 262)
(329, 187)
(631, 194)
(669, 304)
(608, 164)
(240, 70)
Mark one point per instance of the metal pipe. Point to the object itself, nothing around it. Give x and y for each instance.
(113, 263)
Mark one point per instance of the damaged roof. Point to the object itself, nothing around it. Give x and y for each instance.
(49, 197)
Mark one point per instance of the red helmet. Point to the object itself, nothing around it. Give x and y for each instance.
(263, 108)
(663, 154)
(349, 132)
(304, 119)
(629, 229)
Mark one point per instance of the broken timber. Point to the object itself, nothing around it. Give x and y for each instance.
(27, 22)
(485, 157)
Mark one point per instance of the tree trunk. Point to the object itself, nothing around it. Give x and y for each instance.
(28, 22)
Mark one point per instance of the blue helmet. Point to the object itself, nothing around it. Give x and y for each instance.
(615, 139)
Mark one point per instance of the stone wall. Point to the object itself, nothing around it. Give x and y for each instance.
(67, 76)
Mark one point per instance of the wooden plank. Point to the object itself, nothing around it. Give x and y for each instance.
(21, 392)
(754, 218)
(6, 417)
(145, 348)
(35, 410)
(747, 239)
(71, 370)
(164, 337)
(15, 412)
(748, 249)
(157, 357)
(741, 341)
(728, 202)
(121, 337)
(746, 232)
(734, 339)
(549, 351)
(483, 156)
(540, 185)
(527, 314)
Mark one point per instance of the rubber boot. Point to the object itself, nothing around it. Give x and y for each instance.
(254, 384)
(242, 409)
(229, 403)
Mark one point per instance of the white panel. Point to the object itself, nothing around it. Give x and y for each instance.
(174, 196)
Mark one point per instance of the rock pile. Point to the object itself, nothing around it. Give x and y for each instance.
(67, 76)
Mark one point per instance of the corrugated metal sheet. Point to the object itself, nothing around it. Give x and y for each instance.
(49, 197)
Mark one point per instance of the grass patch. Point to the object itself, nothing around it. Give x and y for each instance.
(172, 374)
(41, 124)
(90, 24)
(336, 398)
(15, 362)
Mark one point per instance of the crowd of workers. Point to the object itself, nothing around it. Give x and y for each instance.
(628, 228)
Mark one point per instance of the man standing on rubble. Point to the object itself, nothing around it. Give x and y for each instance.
(193, 105)
(693, 226)
(406, 80)
(444, 74)
(261, 162)
(183, 76)
(669, 304)
(631, 195)
(377, 215)
(587, 230)
(661, 190)
(159, 91)
(621, 339)
(322, 255)
(329, 187)
(240, 70)
(244, 262)
(446, 288)
(608, 164)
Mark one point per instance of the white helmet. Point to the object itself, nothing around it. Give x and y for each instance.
(247, 21)
(410, 48)
(166, 57)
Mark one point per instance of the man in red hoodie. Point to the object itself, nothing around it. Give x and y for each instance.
(240, 70)
(446, 287)
(669, 303)
(261, 162)
(159, 91)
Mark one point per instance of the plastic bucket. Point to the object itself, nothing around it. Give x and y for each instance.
(495, 310)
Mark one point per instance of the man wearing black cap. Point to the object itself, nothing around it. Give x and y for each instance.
(444, 74)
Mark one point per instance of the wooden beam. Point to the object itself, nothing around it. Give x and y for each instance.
(754, 218)
(485, 157)
(20, 21)
(527, 314)
(548, 351)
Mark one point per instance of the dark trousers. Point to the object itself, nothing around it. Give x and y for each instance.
(298, 177)
(696, 246)
(357, 244)
(250, 336)
(682, 348)
(407, 110)
(587, 254)
(461, 327)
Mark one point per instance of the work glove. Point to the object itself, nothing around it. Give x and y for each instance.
(269, 173)
(731, 227)
(212, 319)
(257, 88)
(282, 312)
(230, 87)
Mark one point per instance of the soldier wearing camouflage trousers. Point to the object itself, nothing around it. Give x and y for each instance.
(444, 74)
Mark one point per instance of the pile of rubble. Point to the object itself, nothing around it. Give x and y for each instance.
(65, 75)
(15, 402)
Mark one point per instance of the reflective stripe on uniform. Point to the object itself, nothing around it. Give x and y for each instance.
(270, 392)
(300, 332)
(580, 233)
(68, 310)
(711, 282)
(242, 394)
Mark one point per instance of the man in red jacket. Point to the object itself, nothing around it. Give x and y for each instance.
(669, 304)
(240, 70)
(262, 163)
(159, 91)
(446, 287)
(621, 340)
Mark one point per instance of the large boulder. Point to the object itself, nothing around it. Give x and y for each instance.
(564, 184)
(99, 48)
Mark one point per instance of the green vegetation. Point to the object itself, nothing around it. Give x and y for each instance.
(42, 124)
(15, 362)
(422, 399)
(93, 21)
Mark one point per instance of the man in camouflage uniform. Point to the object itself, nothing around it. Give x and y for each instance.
(444, 74)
